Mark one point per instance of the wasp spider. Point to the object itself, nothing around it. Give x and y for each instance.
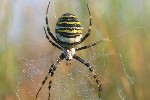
(68, 34)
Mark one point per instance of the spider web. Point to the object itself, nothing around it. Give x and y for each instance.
(74, 81)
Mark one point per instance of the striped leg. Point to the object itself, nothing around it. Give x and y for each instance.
(89, 30)
(48, 29)
(49, 87)
(54, 44)
(88, 46)
(91, 70)
(51, 73)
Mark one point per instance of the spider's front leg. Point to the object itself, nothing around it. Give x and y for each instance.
(91, 70)
(51, 73)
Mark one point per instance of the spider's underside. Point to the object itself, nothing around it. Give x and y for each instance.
(69, 34)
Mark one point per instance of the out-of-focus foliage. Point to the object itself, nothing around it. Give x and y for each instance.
(121, 61)
(8, 64)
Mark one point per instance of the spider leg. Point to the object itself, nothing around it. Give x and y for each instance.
(51, 72)
(49, 87)
(90, 24)
(88, 46)
(54, 44)
(91, 70)
(48, 29)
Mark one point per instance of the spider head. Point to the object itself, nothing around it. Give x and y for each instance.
(68, 53)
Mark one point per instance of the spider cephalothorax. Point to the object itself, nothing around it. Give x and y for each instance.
(68, 52)
(68, 35)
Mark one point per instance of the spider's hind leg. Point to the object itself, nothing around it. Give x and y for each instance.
(90, 25)
(48, 29)
(91, 70)
(54, 44)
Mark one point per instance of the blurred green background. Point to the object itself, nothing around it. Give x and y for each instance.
(121, 61)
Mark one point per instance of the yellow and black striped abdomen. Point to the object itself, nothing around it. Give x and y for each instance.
(68, 29)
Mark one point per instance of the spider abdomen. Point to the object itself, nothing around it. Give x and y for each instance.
(68, 29)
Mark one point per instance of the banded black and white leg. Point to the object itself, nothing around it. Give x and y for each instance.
(49, 88)
(91, 70)
(51, 73)
(54, 44)
(48, 29)
(90, 26)
(88, 46)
